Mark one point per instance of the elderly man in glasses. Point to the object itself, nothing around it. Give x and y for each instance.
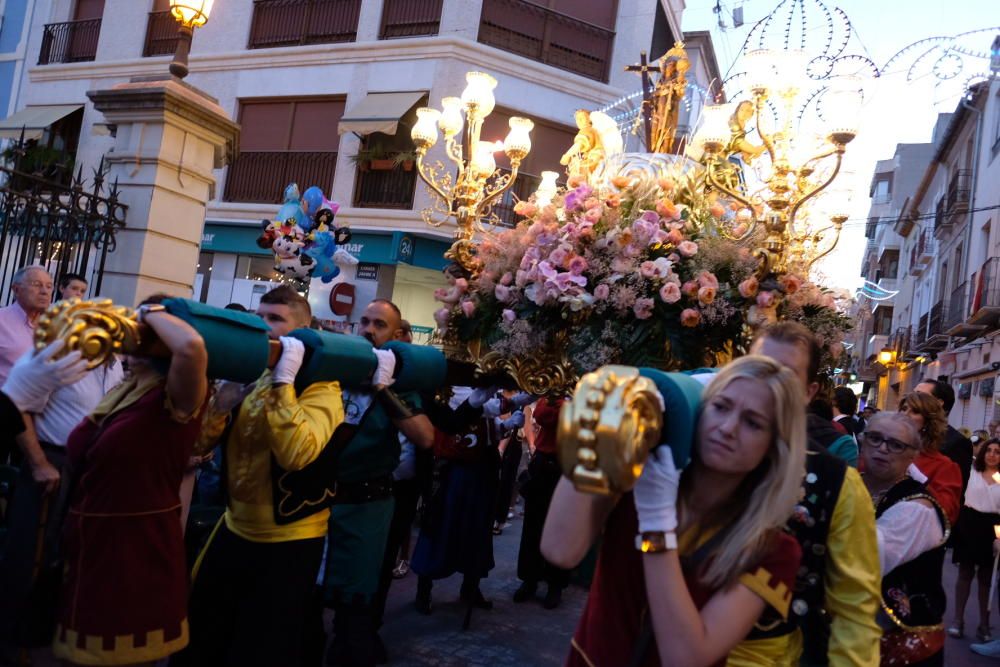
(32, 289)
(912, 528)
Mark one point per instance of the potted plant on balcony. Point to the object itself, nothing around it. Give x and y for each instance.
(404, 159)
(375, 157)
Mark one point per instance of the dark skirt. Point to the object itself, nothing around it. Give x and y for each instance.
(974, 537)
(457, 534)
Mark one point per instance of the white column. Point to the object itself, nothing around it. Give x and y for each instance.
(369, 20)
(460, 18)
(169, 137)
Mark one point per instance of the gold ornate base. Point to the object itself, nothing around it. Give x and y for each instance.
(607, 429)
(98, 329)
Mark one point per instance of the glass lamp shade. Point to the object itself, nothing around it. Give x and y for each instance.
(192, 13)
(841, 108)
(424, 132)
(478, 93)
(790, 68)
(483, 164)
(518, 141)
(714, 131)
(759, 65)
(546, 189)
(451, 120)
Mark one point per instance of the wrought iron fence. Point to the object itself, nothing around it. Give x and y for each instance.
(261, 176)
(70, 42)
(161, 35)
(66, 228)
(385, 188)
(297, 22)
(410, 18)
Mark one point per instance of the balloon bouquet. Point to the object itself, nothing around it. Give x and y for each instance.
(303, 238)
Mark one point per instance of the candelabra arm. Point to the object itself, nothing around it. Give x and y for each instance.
(718, 185)
(454, 152)
(427, 176)
(836, 240)
(765, 138)
(489, 195)
(833, 151)
(819, 188)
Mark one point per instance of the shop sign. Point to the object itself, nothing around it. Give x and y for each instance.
(366, 271)
(403, 247)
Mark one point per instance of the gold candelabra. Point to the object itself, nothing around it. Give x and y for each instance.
(775, 80)
(469, 195)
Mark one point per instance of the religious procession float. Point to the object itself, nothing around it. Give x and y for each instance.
(623, 270)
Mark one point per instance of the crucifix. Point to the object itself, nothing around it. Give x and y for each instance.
(643, 69)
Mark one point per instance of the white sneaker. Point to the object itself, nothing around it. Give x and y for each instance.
(991, 649)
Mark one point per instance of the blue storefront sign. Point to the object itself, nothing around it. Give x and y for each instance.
(371, 247)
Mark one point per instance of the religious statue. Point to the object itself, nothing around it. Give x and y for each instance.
(598, 138)
(666, 99)
(738, 142)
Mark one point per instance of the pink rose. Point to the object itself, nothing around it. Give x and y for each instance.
(690, 317)
(791, 283)
(525, 208)
(690, 289)
(558, 257)
(748, 288)
(675, 237)
(670, 293)
(706, 295)
(593, 215)
(469, 307)
(647, 269)
(765, 299)
(509, 315)
(688, 248)
(501, 292)
(708, 279)
(506, 279)
(643, 308)
(601, 292)
(577, 265)
(666, 208)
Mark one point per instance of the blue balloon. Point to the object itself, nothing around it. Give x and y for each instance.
(312, 199)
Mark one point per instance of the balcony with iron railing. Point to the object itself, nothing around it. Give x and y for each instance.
(298, 22)
(385, 188)
(937, 338)
(261, 176)
(920, 332)
(955, 323)
(70, 42)
(942, 222)
(984, 309)
(547, 36)
(958, 195)
(410, 18)
(922, 253)
(161, 35)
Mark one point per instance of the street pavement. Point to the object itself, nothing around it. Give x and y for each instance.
(524, 635)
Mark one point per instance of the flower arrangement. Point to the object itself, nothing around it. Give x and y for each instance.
(636, 270)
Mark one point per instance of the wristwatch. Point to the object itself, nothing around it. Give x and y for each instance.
(656, 542)
(147, 308)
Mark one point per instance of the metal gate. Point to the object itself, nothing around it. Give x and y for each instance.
(54, 219)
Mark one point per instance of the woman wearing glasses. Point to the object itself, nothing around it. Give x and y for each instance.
(912, 529)
(941, 474)
(973, 542)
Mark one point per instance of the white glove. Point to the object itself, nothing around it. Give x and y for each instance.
(515, 421)
(34, 376)
(656, 493)
(292, 353)
(491, 408)
(479, 397)
(386, 367)
(523, 398)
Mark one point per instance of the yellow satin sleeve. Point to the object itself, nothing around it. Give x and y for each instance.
(299, 428)
(853, 577)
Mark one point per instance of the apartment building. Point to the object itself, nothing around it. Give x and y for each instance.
(948, 317)
(325, 92)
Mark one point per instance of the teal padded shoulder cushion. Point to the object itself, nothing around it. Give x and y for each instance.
(682, 401)
(237, 342)
(420, 368)
(331, 356)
